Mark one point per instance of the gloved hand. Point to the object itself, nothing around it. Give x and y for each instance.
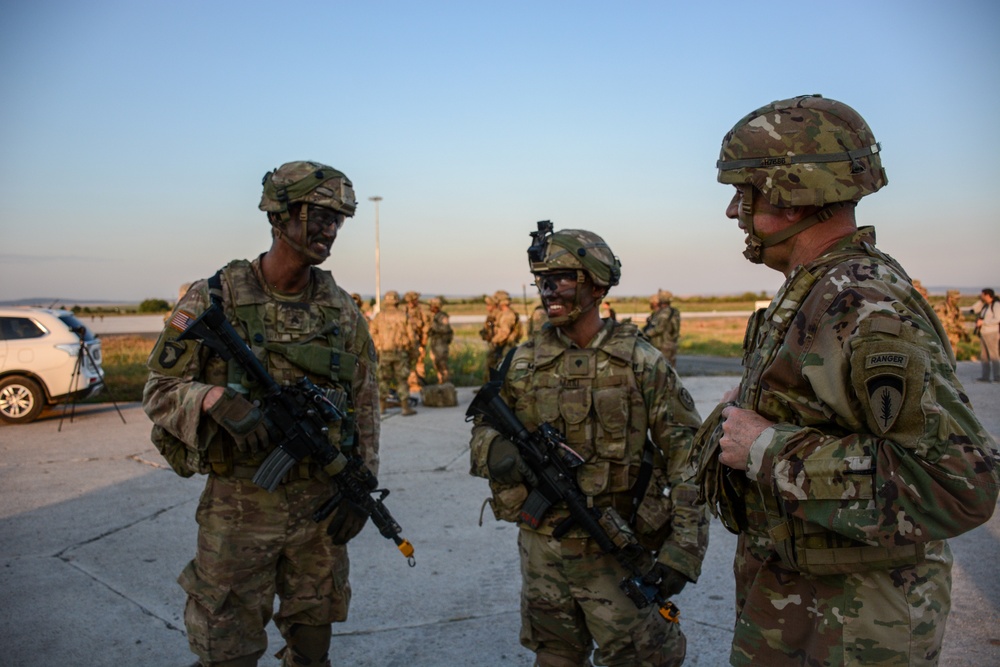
(242, 419)
(505, 465)
(348, 520)
(667, 579)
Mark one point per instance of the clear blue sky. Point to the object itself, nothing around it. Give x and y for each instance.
(135, 134)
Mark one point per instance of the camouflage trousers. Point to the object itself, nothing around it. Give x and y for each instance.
(439, 357)
(570, 599)
(418, 369)
(669, 351)
(393, 370)
(889, 618)
(253, 545)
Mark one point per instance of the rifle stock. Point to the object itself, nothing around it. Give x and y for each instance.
(299, 414)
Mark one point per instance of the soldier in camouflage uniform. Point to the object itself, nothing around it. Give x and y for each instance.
(439, 337)
(663, 326)
(849, 451)
(486, 333)
(419, 321)
(605, 387)
(951, 318)
(359, 303)
(537, 320)
(506, 329)
(299, 323)
(393, 338)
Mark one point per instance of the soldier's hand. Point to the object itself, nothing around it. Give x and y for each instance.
(505, 465)
(347, 521)
(739, 430)
(242, 419)
(667, 579)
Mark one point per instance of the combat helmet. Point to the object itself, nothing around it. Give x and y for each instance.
(803, 151)
(391, 298)
(577, 250)
(501, 297)
(308, 183)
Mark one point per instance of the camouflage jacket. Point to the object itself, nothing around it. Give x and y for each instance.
(319, 335)
(605, 398)
(876, 449)
(391, 331)
(440, 331)
(506, 328)
(663, 326)
(419, 321)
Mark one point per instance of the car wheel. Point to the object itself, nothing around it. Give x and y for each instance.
(21, 400)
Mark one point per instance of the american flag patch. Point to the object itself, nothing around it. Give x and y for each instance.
(181, 321)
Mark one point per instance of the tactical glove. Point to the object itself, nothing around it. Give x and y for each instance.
(242, 419)
(348, 520)
(505, 465)
(667, 579)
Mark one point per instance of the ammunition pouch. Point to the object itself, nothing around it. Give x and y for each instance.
(185, 461)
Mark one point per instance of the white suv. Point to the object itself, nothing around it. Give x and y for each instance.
(46, 356)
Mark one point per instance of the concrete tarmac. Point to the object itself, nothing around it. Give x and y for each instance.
(94, 529)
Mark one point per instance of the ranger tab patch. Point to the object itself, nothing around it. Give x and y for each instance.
(885, 398)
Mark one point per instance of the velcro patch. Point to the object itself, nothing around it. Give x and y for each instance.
(887, 359)
(171, 353)
(181, 320)
(885, 399)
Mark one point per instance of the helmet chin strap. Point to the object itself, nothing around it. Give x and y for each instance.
(756, 244)
(578, 309)
(283, 219)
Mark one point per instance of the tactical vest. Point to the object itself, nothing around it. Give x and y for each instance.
(802, 546)
(291, 339)
(591, 396)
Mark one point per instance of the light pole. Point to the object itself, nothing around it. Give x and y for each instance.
(378, 272)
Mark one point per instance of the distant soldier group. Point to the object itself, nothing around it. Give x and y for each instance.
(502, 329)
(402, 339)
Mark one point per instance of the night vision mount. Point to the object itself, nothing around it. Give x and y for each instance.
(539, 241)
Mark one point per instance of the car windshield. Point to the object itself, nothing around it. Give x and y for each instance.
(78, 327)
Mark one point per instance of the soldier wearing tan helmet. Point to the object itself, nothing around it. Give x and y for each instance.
(849, 452)
(394, 341)
(419, 322)
(663, 326)
(507, 329)
(207, 421)
(603, 386)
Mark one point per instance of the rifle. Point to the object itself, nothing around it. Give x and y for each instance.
(299, 414)
(553, 463)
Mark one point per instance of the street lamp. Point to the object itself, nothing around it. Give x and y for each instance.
(378, 273)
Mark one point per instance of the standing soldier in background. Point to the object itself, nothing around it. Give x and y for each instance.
(951, 318)
(849, 452)
(607, 312)
(439, 337)
(917, 285)
(623, 409)
(663, 326)
(486, 333)
(393, 339)
(506, 328)
(419, 322)
(206, 420)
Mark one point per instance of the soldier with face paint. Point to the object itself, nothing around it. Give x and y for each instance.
(849, 452)
(254, 544)
(624, 410)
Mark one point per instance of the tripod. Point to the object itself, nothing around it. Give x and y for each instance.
(84, 356)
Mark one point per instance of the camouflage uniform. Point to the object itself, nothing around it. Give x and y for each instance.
(506, 329)
(951, 318)
(663, 326)
(604, 398)
(439, 337)
(874, 456)
(486, 333)
(393, 339)
(246, 533)
(419, 322)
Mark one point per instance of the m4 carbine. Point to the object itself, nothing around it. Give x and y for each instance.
(553, 463)
(299, 415)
